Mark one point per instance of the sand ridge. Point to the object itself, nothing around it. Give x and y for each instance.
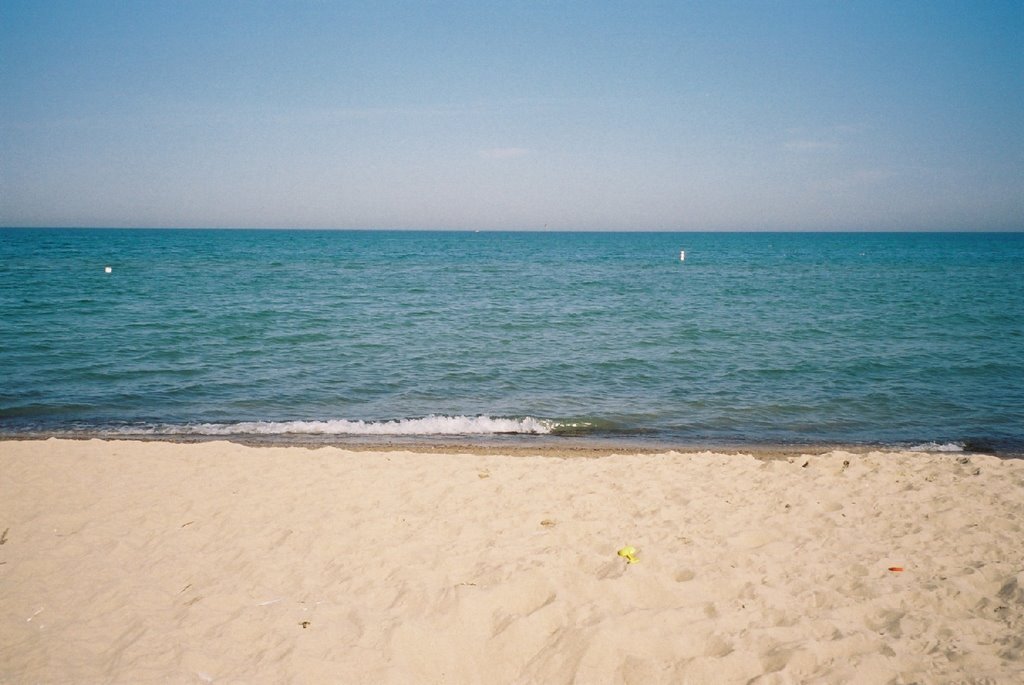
(215, 562)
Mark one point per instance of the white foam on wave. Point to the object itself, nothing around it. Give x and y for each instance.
(428, 425)
(938, 447)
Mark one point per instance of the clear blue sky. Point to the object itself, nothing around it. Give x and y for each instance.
(598, 115)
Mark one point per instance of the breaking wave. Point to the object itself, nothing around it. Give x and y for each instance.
(428, 425)
(938, 447)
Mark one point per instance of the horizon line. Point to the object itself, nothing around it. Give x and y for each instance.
(513, 230)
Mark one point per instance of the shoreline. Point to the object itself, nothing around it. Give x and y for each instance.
(520, 445)
(130, 561)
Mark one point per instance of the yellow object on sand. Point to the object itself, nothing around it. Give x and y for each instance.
(629, 554)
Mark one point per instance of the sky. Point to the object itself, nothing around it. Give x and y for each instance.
(625, 115)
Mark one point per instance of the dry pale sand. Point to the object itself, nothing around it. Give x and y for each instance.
(136, 562)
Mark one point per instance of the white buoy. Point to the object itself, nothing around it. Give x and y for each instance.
(682, 255)
(107, 269)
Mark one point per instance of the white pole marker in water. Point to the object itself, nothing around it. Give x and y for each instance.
(107, 269)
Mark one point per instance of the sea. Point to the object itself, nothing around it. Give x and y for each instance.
(629, 338)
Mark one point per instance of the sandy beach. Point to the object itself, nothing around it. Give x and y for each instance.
(158, 562)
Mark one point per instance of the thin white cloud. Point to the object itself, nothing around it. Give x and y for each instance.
(857, 179)
(504, 152)
(811, 145)
(821, 139)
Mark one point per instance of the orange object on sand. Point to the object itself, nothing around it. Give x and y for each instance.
(897, 569)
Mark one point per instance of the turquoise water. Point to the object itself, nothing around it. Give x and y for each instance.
(756, 337)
